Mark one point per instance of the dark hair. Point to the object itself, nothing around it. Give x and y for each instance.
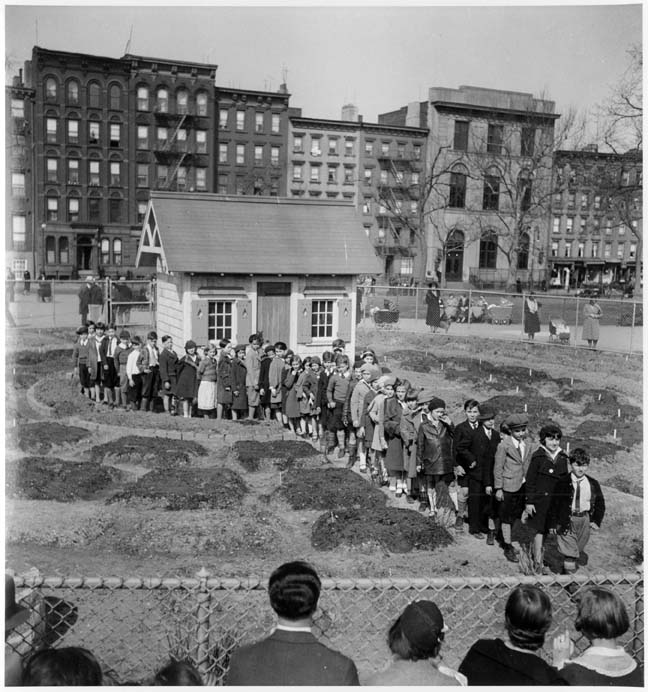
(281, 345)
(470, 403)
(549, 430)
(253, 337)
(400, 645)
(528, 617)
(327, 357)
(100, 325)
(69, 666)
(403, 383)
(165, 339)
(411, 394)
(223, 342)
(177, 673)
(341, 358)
(579, 456)
(601, 614)
(152, 335)
(294, 590)
(504, 429)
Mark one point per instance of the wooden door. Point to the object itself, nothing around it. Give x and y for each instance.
(273, 310)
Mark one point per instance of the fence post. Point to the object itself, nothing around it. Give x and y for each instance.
(576, 325)
(469, 307)
(522, 332)
(53, 303)
(202, 623)
(416, 299)
(634, 314)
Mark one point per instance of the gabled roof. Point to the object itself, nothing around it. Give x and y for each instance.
(206, 233)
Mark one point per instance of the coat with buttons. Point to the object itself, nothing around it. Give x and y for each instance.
(542, 477)
(510, 468)
(434, 448)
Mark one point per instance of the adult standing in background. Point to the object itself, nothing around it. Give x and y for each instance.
(531, 316)
(84, 300)
(95, 301)
(433, 314)
(26, 282)
(592, 313)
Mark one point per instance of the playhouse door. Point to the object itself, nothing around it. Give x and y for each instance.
(273, 310)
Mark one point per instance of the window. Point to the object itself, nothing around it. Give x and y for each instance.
(384, 148)
(142, 137)
(141, 211)
(595, 249)
(73, 209)
(219, 319)
(182, 101)
(571, 200)
(607, 250)
(568, 249)
(142, 175)
(93, 132)
(222, 118)
(50, 249)
(18, 184)
(201, 178)
(595, 226)
(181, 177)
(94, 208)
(201, 141)
(18, 231)
(625, 178)
(51, 129)
(461, 135)
(622, 229)
(51, 88)
(457, 197)
(527, 141)
(275, 123)
(258, 122)
(488, 251)
(495, 138)
(142, 98)
(597, 201)
(258, 153)
(569, 226)
(400, 151)
(491, 192)
(240, 120)
(368, 176)
(115, 97)
(348, 147)
(523, 251)
(417, 152)
(315, 147)
(413, 207)
(104, 249)
(620, 250)
(93, 174)
(332, 174)
(315, 174)
(406, 266)
(368, 148)
(52, 170)
(332, 146)
(17, 108)
(298, 171)
(240, 153)
(117, 251)
(608, 227)
(583, 224)
(162, 136)
(399, 177)
(181, 139)
(115, 173)
(366, 206)
(115, 210)
(115, 134)
(556, 224)
(274, 156)
(581, 250)
(73, 131)
(584, 200)
(201, 104)
(240, 185)
(554, 248)
(298, 144)
(322, 319)
(415, 177)
(383, 177)
(94, 95)
(222, 153)
(633, 251)
(162, 101)
(557, 199)
(73, 93)
(348, 175)
(52, 208)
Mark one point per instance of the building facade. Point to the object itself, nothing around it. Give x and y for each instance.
(596, 222)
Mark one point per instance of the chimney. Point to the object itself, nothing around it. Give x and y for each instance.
(359, 118)
(349, 113)
(283, 88)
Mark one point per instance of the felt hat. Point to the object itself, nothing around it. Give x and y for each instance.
(136, 341)
(426, 394)
(421, 622)
(517, 420)
(14, 614)
(240, 347)
(373, 370)
(190, 344)
(367, 352)
(339, 343)
(152, 335)
(269, 347)
(486, 412)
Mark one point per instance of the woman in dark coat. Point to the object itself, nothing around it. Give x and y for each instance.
(394, 462)
(531, 316)
(187, 377)
(239, 375)
(433, 314)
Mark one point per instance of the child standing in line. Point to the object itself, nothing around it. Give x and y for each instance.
(168, 365)
(368, 374)
(80, 359)
(288, 359)
(394, 407)
(224, 387)
(306, 390)
(322, 401)
(121, 361)
(267, 355)
(289, 395)
(207, 375)
(376, 413)
(134, 375)
(187, 377)
(239, 377)
(338, 391)
(110, 374)
(409, 425)
(275, 375)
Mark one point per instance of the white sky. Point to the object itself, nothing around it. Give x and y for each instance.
(376, 56)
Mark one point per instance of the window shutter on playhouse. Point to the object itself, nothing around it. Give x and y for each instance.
(304, 320)
(344, 319)
(200, 321)
(243, 321)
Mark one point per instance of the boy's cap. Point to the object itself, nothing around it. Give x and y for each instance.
(240, 347)
(368, 352)
(136, 341)
(151, 335)
(269, 347)
(486, 412)
(517, 420)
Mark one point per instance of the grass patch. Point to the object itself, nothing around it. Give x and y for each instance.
(282, 453)
(39, 438)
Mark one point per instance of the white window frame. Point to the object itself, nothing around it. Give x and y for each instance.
(225, 310)
(317, 324)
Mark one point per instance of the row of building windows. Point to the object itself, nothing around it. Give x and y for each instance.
(110, 252)
(53, 211)
(588, 201)
(349, 175)
(241, 153)
(180, 139)
(598, 176)
(331, 174)
(495, 139)
(594, 225)
(248, 185)
(386, 148)
(491, 192)
(577, 250)
(243, 120)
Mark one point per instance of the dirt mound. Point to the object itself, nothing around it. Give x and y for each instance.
(151, 452)
(628, 433)
(282, 454)
(25, 367)
(540, 409)
(416, 361)
(188, 488)
(39, 438)
(624, 485)
(43, 478)
(394, 530)
(597, 449)
(608, 406)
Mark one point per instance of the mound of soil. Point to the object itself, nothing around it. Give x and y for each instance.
(151, 452)
(628, 433)
(282, 454)
(417, 361)
(194, 488)
(539, 408)
(43, 478)
(597, 449)
(39, 438)
(326, 489)
(395, 530)
(27, 366)
(608, 406)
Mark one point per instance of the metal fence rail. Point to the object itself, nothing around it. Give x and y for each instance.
(133, 625)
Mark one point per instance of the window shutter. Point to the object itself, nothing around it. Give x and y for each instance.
(199, 321)
(304, 320)
(344, 319)
(243, 321)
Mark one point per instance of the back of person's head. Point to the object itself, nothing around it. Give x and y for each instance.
(177, 673)
(294, 590)
(601, 614)
(418, 632)
(327, 357)
(70, 666)
(528, 617)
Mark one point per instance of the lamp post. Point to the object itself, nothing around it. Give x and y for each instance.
(43, 249)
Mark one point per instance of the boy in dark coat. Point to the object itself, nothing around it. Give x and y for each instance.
(464, 434)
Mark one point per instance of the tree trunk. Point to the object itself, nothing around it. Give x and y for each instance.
(638, 290)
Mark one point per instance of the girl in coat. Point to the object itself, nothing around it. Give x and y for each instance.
(321, 400)
(306, 389)
(267, 354)
(288, 359)
(207, 374)
(409, 425)
(290, 393)
(224, 387)
(168, 365)
(188, 377)
(394, 407)
(239, 376)
(376, 413)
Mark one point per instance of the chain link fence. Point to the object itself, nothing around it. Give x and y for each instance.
(134, 625)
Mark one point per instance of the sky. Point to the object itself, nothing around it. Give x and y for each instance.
(379, 57)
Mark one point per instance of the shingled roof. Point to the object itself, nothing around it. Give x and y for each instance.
(207, 233)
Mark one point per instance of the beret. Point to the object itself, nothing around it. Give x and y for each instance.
(517, 420)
